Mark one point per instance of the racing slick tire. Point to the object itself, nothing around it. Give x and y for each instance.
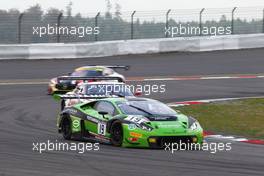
(117, 134)
(66, 128)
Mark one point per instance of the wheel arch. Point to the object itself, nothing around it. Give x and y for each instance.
(64, 116)
(111, 122)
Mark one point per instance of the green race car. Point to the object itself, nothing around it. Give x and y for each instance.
(130, 122)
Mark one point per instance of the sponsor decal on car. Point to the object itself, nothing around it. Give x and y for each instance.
(136, 119)
(101, 128)
(76, 123)
(137, 135)
(169, 125)
(132, 126)
(92, 119)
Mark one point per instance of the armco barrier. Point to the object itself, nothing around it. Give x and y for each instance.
(180, 44)
(98, 49)
(113, 48)
(47, 51)
(14, 51)
(139, 46)
(251, 41)
(219, 43)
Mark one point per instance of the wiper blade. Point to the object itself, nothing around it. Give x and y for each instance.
(140, 109)
(164, 115)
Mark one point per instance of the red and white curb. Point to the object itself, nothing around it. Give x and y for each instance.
(197, 102)
(232, 138)
(211, 134)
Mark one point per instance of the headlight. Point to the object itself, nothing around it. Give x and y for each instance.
(194, 126)
(192, 123)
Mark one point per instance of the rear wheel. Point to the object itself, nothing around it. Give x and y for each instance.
(117, 134)
(66, 129)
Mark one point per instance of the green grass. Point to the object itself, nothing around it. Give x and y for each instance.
(239, 117)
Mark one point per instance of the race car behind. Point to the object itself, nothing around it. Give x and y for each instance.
(57, 85)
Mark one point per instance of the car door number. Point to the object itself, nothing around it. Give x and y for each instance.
(101, 128)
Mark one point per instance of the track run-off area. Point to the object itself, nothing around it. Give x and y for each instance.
(28, 115)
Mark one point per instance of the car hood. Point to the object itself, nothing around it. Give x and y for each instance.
(166, 124)
(169, 127)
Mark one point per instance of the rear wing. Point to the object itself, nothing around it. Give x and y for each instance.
(101, 78)
(59, 97)
(125, 67)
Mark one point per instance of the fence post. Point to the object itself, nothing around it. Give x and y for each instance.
(96, 24)
(232, 22)
(200, 20)
(132, 24)
(19, 26)
(167, 21)
(59, 23)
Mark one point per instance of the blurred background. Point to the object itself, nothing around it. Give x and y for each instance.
(16, 26)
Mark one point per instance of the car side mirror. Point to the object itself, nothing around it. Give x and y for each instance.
(103, 113)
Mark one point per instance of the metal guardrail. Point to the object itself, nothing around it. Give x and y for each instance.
(16, 27)
(122, 47)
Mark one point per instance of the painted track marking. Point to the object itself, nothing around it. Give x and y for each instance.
(142, 79)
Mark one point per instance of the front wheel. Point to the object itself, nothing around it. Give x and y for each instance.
(117, 134)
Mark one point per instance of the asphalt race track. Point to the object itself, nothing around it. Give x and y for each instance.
(28, 116)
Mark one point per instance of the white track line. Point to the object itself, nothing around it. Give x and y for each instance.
(180, 78)
(22, 83)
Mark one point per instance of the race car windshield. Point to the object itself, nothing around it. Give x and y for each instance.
(146, 108)
(108, 89)
(87, 73)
